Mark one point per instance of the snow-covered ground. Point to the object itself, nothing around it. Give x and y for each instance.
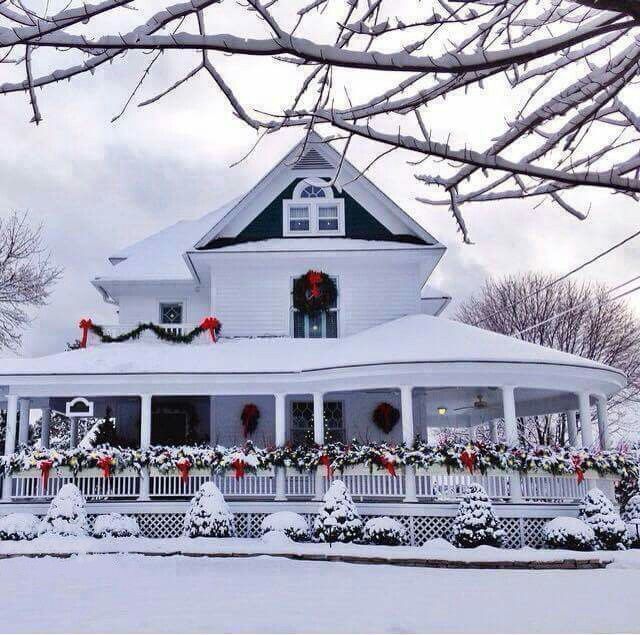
(125, 592)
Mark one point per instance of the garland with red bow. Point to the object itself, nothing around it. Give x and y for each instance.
(249, 417)
(313, 293)
(577, 466)
(325, 460)
(385, 416)
(184, 466)
(45, 467)
(468, 459)
(238, 466)
(210, 324)
(106, 463)
(388, 465)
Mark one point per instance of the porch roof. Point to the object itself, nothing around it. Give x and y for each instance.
(414, 339)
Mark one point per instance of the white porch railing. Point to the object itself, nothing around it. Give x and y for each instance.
(114, 330)
(363, 485)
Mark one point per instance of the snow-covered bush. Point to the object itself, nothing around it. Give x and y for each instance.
(631, 517)
(338, 519)
(384, 531)
(475, 523)
(19, 527)
(66, 515)
(291, 524)
(632, 508)
(565, 532)
(276, 538)
(598, 512)
(115, 526)
(208, 515)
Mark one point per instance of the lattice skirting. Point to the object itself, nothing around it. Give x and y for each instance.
(518, 531)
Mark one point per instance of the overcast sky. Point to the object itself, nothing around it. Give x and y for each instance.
(99, 186)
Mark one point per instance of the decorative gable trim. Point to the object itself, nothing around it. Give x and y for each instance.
(312, 160)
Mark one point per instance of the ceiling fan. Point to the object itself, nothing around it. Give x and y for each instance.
(478, 404)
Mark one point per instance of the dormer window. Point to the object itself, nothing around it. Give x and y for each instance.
(313, 211)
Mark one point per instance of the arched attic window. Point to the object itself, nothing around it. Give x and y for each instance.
(313, 211)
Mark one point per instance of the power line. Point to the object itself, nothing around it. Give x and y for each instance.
(563, 277)
(589, 301)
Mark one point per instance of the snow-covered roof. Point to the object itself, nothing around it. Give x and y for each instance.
(160, 256)
(411, 339)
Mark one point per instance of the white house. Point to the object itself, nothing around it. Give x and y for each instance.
(321, 285)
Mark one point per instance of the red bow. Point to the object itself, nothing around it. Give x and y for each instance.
(468, 459)
(314, 278)
(45, 467)
(326, 461)
(577, 466)
(388, 465)
(184, 465)
(105, 463)
(238, 466)
(212, 325)
(85, 325)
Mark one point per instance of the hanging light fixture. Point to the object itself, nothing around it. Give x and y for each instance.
(442, 410)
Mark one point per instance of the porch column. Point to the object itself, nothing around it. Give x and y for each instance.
(23, 422)
(73, 432)
(318, 437)
(511, 433)
(145, 442)
(45, 426)
(281, 434)
(408, 437)
(10, 440)
(585, 419)
(493, 431)
(572, 427)
(603, 421)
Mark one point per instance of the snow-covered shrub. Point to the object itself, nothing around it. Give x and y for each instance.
(631, 517)
(66, 515)
(208, 515)
(475, 523)
(291, 524)
(338, 519)
(276, 538)
(632, 508)
(384, 531)
(19, 527)
(597, 511)
(115, 526)
(565, 532)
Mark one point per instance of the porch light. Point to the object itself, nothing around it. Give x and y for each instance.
(442, 410)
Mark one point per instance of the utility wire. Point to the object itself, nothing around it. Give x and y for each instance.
(563, 277)
(580, 304)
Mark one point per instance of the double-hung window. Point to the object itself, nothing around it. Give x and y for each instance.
(313, 212)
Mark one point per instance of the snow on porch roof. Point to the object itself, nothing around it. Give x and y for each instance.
(411, 339)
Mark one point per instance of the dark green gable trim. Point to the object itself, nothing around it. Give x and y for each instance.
(359, 224)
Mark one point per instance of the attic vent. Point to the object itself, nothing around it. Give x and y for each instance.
(312, 160)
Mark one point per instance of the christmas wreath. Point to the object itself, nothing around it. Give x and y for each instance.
(249, 417)
(385, 416)
(314, 292)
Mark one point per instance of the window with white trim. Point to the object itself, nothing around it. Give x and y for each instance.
(313, 211)
(171, 313)
(319, 325)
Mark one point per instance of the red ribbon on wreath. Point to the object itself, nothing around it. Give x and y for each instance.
(468, 459)
(249, 417)
(184, 465)
(326, 461)
(105, 463)
(314, 279)
(45, 467)
(213, 325)
(238, 466)
(388, 465)
(577, 466)
(85, 324)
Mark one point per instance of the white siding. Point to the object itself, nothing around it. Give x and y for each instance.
(252, 297)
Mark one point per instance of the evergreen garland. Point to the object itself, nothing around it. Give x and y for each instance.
(160, 332)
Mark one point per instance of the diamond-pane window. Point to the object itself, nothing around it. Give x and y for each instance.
(302, 422)
(171, 313)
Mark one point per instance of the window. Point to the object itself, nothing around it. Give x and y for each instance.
(316, 326)
(302, 422)
(313, 211)
(171, 313)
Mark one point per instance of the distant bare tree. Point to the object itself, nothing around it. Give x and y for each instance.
(376, 69)
(598, 328)
(26, 276)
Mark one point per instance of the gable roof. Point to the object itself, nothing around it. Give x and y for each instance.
(317, 155)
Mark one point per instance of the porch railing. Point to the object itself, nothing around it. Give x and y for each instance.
(430, 487)
(174, 329)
